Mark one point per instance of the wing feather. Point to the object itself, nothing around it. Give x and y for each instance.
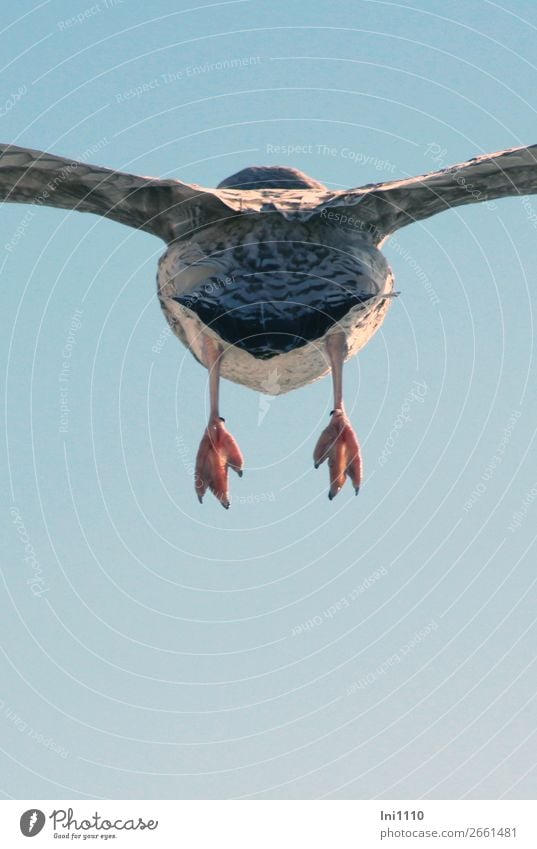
(383, 208)
(165, 208)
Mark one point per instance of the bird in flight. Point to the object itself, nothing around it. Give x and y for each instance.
(271, 280)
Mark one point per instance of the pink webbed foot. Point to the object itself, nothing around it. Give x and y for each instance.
(338, 444)
(217, 453)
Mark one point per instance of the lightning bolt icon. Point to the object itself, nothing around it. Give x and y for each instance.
(32, 821)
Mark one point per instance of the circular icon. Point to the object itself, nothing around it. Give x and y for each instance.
(32, 822)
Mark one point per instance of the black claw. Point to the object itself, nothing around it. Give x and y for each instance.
(200, 499)
(332, 412)
(222, 419)
(316, 465)
(330, 496)
(225, 505)
(356, 490)
(240, 472)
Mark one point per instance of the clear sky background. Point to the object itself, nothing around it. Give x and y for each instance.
(379, 646)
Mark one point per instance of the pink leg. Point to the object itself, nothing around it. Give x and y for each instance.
(218, 450)
(338, 443)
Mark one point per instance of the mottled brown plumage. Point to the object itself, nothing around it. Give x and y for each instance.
(270, 279)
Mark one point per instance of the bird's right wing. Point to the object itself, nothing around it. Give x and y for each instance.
(383, 208)
(165, 208)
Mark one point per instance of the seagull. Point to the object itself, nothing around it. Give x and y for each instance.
(270, 279)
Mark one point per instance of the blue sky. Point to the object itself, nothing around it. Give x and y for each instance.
(380, 646)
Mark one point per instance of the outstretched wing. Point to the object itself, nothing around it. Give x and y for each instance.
(165, 208)
(382, 208)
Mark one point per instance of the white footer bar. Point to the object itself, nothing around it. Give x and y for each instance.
(271, 824)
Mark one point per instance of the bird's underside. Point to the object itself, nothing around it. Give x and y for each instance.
(270, 279)
(269, 291)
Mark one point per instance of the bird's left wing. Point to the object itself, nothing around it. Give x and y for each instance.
(165, 208)
(382, 208)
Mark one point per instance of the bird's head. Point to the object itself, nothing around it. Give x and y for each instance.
(269, 177)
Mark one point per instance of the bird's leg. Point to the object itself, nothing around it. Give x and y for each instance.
(338, 443)
(218, 450)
